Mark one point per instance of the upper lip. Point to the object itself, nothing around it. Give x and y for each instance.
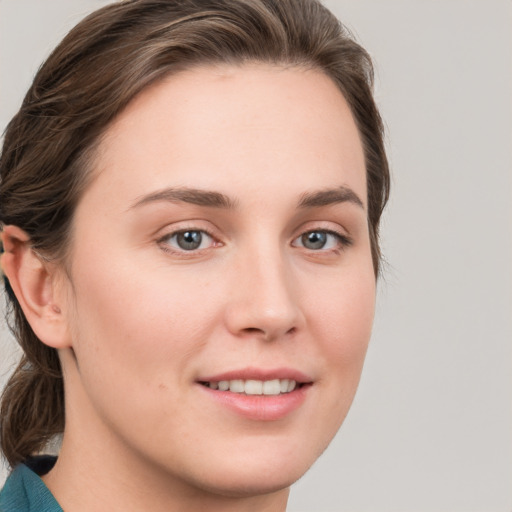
(259, 374)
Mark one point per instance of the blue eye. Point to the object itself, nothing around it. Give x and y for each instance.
(189, 240)
(321, 240)
(314, 240)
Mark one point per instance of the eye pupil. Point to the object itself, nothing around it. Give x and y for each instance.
(314, 240)
(189, 240)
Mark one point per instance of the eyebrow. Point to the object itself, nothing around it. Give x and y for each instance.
(188, 195)
(214, 199)
(328, 197)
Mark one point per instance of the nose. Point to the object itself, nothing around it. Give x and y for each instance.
(264, 299)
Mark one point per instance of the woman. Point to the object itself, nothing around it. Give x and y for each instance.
(190, 202)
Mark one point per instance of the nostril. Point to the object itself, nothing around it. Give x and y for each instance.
(254, 330)
(267, 334)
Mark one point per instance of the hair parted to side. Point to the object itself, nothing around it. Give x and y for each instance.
(99, 67)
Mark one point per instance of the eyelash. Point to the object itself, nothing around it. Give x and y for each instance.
(164, 241)
(342, 241)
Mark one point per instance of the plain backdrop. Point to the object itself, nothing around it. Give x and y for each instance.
(431, 427)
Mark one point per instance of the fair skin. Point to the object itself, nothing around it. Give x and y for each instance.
(273, 282)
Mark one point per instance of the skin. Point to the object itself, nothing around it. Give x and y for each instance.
(138, 321)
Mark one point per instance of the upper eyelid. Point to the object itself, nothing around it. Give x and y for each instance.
(187, 225)
(322, 225)
(216, 233)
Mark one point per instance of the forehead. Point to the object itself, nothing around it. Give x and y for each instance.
(232, 127)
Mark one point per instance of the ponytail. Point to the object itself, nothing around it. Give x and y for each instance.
(32, 403)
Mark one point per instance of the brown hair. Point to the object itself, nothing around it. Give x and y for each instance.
(88, 80)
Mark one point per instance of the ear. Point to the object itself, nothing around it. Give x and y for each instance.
(34, 282)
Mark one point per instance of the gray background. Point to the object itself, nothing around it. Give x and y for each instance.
(431, 427)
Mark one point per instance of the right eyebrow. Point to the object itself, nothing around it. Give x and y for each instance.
(327, 197)
(195, 196)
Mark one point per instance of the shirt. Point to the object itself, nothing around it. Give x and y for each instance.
(24, 491)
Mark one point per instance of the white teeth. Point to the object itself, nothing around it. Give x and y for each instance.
(271, 387)
(223, 385)
(255, 387)
(236, 386)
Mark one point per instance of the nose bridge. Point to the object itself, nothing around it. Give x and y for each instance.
(265, 301)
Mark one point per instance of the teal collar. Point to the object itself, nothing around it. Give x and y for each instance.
(24, 491)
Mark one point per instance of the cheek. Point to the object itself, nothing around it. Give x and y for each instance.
(136, 337)
(138, 321)
(345, 317)
(340, 317)
(343, 326)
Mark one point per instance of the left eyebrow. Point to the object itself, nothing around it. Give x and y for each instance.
(195, 196)
(330, 196)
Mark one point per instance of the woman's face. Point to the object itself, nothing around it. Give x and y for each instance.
(221, 252)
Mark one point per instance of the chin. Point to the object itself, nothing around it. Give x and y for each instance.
(257, 472)
(244, 484)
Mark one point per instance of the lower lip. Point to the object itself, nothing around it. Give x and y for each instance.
(260, 407)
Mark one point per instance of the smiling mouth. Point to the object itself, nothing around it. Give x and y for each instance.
(255, 387)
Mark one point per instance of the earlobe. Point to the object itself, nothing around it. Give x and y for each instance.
(33, 281)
